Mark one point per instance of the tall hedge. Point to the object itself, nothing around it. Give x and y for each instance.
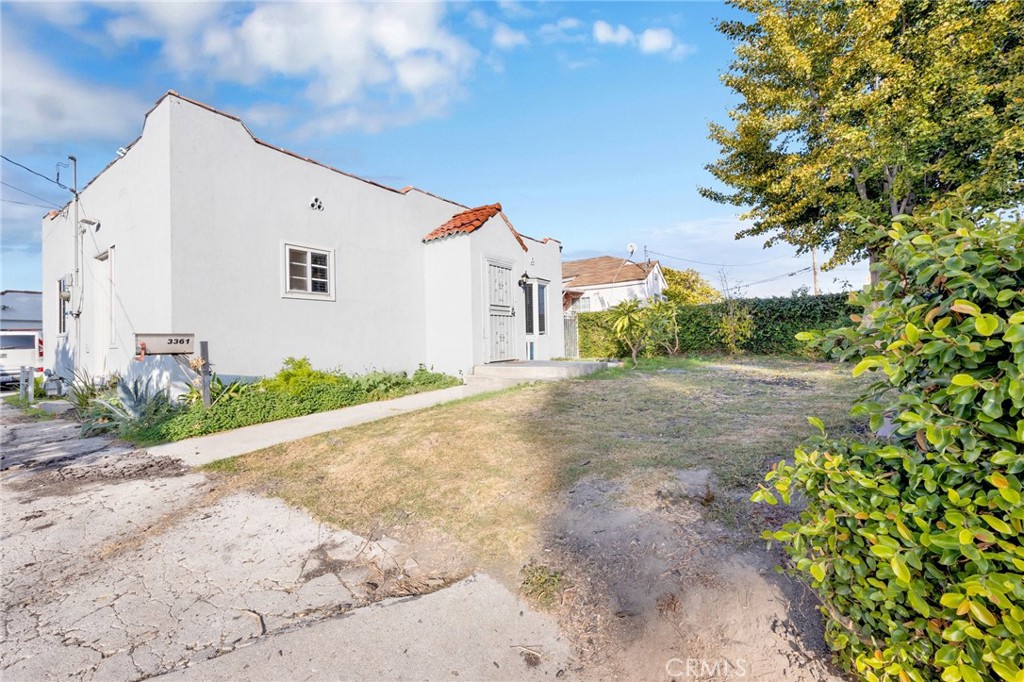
(915, 544)
(777, 321)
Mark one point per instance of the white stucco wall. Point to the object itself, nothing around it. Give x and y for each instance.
(448, 302)
(234, 202)
(130, 201)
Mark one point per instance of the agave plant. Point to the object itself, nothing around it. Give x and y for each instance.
(135, 402)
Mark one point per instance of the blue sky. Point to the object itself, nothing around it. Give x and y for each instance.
(587, 121)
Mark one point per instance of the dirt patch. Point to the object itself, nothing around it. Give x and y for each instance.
(70, 479)
(655, 586)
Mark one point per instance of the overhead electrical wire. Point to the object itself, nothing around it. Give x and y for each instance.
(776, 277)
(24, 203)
(719, 265)
(34, 172)
(34, 196)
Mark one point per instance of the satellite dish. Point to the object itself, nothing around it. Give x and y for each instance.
(631, 247)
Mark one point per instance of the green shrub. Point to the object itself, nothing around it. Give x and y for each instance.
(596, 338)
(776, 321)
(915, 545)
(735, 327)
(425, 379)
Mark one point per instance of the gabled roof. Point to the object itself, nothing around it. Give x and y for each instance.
(605, 270)
(470, 221)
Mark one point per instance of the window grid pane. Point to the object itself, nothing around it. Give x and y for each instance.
(542, 308)
(308, 271)
(528, 308)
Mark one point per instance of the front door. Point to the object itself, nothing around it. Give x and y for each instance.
(499, 308)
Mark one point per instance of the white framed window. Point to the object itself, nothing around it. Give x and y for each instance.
(62, 305)
(542, 308)
(307, 272)
(528, 306)
(535, 306)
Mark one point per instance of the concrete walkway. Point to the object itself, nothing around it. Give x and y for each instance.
(206, 449)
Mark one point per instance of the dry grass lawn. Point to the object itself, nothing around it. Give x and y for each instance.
(490, 471)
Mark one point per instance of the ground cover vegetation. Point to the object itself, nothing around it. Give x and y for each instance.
(914, 544)
(140, 413)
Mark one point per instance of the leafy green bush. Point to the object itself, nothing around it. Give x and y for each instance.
(596, 339)
(915, 545)
(776, 322)
(735, 327)
(428, 380)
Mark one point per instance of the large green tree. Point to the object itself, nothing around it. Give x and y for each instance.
(874, 107)
(687, 287)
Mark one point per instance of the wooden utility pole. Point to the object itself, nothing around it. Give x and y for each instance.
(814, 269)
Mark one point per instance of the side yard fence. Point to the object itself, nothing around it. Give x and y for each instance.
(776, 323)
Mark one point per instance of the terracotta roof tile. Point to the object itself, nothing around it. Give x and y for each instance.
(604, 270)
(470, 221)
(465, 222)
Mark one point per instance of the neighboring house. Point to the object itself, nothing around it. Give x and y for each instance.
(600, 283)
(201, 228)
(21, 309)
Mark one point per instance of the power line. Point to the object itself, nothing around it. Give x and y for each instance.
(33, 172)
(22, 203)
(776, 277)
(34, 196)
(719, 265)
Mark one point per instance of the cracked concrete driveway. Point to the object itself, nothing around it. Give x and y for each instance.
(120, 566)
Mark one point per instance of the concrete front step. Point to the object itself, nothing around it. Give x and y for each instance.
(500, 374)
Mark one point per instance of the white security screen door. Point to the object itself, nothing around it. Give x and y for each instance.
(499, 308)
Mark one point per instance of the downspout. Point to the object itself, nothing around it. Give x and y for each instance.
(77, 314)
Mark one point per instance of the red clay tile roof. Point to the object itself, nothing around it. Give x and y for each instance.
(604, 270)
(470, 221)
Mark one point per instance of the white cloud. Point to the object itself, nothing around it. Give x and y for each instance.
(345, 50)
(650, 41)
(514, 9)
(664, 41)
(42, 104)
(656, 40)
(605, 33)
(478, 19)
(506, 38)
(176, 25)
(65, 14)
(565, 30)
(350, 55)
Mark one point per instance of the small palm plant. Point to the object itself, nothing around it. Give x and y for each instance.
(631, 324)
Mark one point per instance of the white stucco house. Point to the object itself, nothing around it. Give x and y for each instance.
(200, 228)
(594, 284)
